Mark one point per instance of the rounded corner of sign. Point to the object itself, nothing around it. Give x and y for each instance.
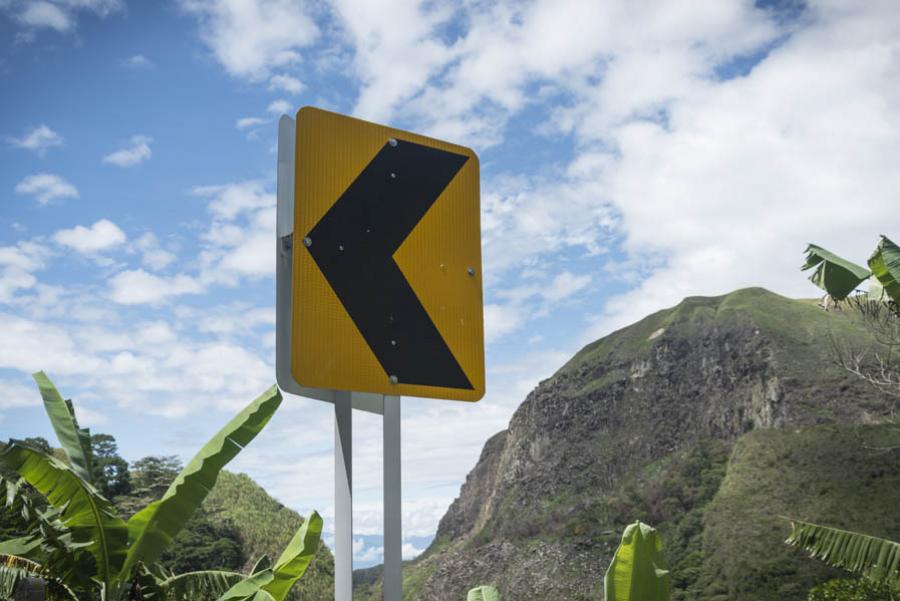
(479, 394)
(306, 111)
(473, 156)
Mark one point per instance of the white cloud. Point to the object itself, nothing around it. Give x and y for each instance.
(251, 37)
(17, 267)
(231, 200)
(565, 285)
(279, 107)
(137, 153)
(38, 139)
(248, 122)
(14, 394)
(59, 15)
(286, 83)
(745, 172)
(138, 61)
(46, 187)
(103, 235)
(396, 51)
(500, 320)
(45, 15)
(152, 255)
(136, 286)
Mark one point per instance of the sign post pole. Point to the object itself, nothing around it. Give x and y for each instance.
(343, 496)
(393, 541)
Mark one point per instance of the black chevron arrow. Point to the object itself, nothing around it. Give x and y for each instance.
(354, 243)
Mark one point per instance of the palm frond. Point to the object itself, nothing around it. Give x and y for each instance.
(877, 559)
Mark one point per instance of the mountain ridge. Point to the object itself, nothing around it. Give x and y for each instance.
(596, 445)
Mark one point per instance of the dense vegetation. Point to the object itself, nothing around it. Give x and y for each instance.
(72, 537)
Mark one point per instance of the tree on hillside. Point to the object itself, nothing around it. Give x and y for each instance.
(111, 473)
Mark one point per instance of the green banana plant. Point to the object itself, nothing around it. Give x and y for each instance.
(638, 569)
(839, 277)
(876, 559)
(121, 551)
(483, 593)
(273, 583)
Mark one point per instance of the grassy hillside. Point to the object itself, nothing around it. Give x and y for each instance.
(835, 475)
(264, 526)
(707, 420)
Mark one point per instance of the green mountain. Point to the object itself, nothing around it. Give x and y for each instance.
(709, 420)
(265, 526)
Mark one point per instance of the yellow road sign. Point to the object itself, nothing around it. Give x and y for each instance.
(387, 283)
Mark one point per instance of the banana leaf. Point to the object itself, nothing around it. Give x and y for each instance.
(251, 588)
(638, 569)
(90, 518)
(152, 529)
(75, 441)
(296, 557)
(275, 582)
(483, 593)
(877, 559)
(833, 274)
(885, 264)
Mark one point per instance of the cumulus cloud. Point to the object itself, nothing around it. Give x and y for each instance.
(152, 254)
(58, 15)
(136, 286)
(286, 83)
(248, 122)
(279, 107)
(137, 153)
(18, 264)
(746, 171)
(37, 139)
(102, 235)
(46, 187)
(251, 38)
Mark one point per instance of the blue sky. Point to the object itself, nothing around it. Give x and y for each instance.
(632, 154)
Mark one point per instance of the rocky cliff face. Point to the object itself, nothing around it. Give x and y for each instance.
(641, 424)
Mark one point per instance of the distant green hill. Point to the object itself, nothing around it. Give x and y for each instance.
(263, 525)
(708, 420)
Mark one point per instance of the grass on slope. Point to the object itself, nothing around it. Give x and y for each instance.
(797, 324)
(831, 475)
(266, 526)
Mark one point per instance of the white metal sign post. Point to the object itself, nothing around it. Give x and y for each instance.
(344, 403)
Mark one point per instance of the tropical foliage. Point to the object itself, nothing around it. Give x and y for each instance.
(839, 277)
(80, 540)
(856, 589)
(876, 559)
(638, 569)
